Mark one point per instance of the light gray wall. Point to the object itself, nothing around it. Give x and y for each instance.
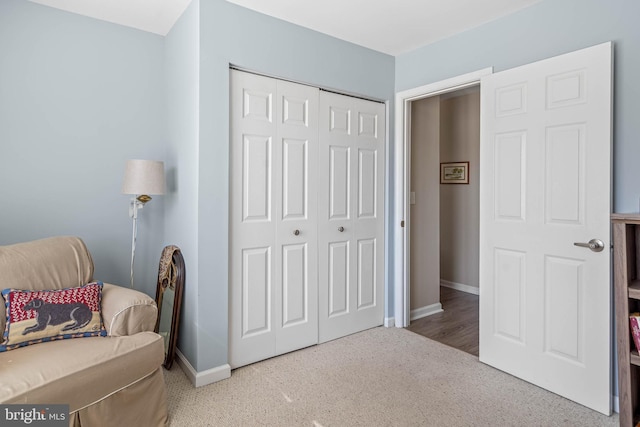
(78, 97)
(425, 213)
(460, 203)
(182, 66)
(546, 29)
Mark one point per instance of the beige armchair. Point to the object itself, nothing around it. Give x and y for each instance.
(115, 380)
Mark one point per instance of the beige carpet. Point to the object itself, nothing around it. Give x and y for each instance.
(358, 381)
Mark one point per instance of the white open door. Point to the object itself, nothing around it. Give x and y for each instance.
(545, 185)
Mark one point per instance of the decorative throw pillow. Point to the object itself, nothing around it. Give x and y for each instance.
(40, 316)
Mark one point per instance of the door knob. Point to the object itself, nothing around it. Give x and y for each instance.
(596, 245)
(296, 232)
(341, 229)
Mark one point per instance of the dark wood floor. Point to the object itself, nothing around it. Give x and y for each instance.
(457, 325)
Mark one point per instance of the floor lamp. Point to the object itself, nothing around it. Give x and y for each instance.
(141, 179)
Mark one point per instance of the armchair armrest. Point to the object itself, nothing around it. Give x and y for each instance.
(127, 311)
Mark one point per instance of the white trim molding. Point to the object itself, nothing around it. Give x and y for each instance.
(425, 311)
(402, 166)
(389, 322)
(199, 379)
(460, 287)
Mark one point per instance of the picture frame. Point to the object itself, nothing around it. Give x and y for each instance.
(454, 173)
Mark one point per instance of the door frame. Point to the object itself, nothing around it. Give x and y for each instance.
(402, 176)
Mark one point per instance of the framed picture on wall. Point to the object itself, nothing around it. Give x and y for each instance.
(454, 173)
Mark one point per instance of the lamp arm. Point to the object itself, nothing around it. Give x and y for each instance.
(133, 212)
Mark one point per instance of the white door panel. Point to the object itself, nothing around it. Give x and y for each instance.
(252, 212)
(350, 223)
(339, 183)
(367, 280)
(545, 184)
(338, 286)
(296, 192)
(256, 178)
(273, 277)
(256, 291)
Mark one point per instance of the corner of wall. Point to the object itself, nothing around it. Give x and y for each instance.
(199, 379)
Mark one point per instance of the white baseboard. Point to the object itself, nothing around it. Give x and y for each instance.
(199, 379)
(389, 322)
(425, 311)
(460, 287)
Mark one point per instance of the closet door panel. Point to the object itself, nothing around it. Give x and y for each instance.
(295, 162)
(338, 286)
(367, 179)
(339, 182)
(351, 227)
(295, 285)
(252, 249)
(256, 178)
(296, 303)
(367, 267)
(256, 291)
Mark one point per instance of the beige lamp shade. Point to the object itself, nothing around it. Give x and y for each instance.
(143, 177)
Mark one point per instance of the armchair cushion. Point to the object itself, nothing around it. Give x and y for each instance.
(47, 315)
(79, 372)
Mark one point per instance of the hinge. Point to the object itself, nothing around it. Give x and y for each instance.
(402, 223)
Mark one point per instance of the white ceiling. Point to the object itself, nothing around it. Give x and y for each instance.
(154, 16)
(389, 26)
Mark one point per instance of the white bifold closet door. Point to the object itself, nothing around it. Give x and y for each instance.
(296, 173)
(350, 216)
(273, 231)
